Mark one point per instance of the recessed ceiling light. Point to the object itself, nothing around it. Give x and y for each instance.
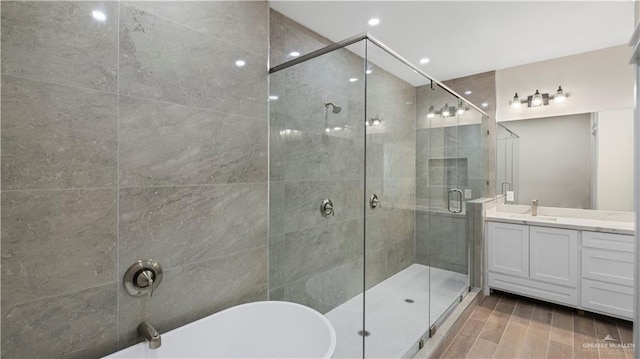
(374, 21)
(485, 105)
(424, 60)
(99, 15)
(273, 97)
(294, 53)
(353, 79)
(468, 92)
(240, 63)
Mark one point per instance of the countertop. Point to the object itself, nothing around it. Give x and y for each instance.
(569, 218)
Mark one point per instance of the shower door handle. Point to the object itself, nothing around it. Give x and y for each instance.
(460, 198)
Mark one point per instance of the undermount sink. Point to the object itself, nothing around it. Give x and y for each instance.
(533, 218)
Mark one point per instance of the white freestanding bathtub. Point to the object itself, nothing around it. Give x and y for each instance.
(255, 330)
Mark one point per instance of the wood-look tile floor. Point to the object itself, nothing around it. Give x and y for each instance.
(509, 326)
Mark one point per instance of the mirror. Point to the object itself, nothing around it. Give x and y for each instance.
(575, 161)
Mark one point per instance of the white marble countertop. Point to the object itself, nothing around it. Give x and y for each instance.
(570, 218)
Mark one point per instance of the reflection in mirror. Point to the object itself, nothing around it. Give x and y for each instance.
(575, 161)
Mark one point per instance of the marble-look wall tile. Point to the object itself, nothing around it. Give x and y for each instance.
(162, 60)
(59, 41)
(167, 144)
(242, 24)
(324, 291)
(180, 225)
(286, 36)
(303, 198)
(77, 325)
(56, 242)
(297, 255)
(56, 137)
(193, 291)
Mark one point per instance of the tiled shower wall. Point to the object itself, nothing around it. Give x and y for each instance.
(443, 239)
(132, 138)
(314, 260)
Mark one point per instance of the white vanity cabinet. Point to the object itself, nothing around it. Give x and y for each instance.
(583, 269)
(546, 260)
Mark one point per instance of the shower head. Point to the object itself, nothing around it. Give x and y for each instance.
(335, 109)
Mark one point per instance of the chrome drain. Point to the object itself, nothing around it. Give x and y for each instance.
(364, 333)
(409, 300)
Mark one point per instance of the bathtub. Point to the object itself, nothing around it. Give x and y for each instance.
(255, 330)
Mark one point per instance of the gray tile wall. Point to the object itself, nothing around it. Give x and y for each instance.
(314, 260)
(132, 138)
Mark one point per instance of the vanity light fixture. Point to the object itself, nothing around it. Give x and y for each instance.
(539, 99)
(447, 111)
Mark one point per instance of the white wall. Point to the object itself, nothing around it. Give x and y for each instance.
(614, 164)
(555, 160)
(596, 81)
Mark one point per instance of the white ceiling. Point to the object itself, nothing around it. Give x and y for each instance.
(467, 37)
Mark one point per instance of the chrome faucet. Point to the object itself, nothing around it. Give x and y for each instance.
(151, 334)
(534, 207)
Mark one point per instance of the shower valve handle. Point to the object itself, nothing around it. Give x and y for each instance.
(326, 208)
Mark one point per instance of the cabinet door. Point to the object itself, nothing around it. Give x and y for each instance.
(508, 248)
(554, 255)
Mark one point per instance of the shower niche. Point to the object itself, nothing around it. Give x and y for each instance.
(349, 121)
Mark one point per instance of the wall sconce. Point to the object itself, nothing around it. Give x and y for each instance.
(447, 111)
(539, 99)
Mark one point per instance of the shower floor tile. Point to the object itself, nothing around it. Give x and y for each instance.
(398, 312)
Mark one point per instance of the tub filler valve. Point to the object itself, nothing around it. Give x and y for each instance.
(150, 334)
(143, 277)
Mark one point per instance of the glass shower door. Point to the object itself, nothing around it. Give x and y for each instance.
(397, 292)
(316, 223)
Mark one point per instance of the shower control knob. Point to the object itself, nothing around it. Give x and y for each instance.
(374, 201)
(326, 208)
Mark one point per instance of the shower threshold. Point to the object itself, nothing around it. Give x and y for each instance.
(398, 312)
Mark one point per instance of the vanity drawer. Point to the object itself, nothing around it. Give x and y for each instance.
(607, 266)
(608, 298)
(608, 241)
(534, 289)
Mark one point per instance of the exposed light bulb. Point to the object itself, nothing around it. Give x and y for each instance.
(460, 110)
(537, 99)
(431, 113)
(445, 111)
(516, 101)
(560, 96)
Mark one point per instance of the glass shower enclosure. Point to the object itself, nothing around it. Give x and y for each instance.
(372, 164)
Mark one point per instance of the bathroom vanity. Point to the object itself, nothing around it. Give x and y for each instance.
(578, 258)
